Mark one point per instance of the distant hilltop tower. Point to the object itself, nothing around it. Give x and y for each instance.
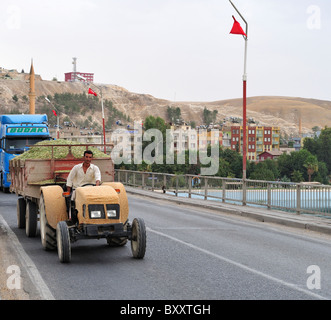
(74, 75)
(74, 62)
(32, 93)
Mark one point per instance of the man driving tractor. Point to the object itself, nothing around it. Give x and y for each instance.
(82, 174)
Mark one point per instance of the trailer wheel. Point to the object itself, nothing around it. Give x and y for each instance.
(47, 233)
(21, 210)
(63, 242)
(31, 219)
(138, 242)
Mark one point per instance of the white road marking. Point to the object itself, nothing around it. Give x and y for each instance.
(239, 265)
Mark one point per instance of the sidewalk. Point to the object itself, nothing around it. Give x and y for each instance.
(16, 268)
(308, 222)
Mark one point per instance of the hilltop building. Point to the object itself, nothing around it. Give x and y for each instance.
(74, 75)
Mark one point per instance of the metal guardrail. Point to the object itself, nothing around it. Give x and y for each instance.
(301, 198)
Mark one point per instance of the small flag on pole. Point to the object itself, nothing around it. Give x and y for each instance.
(90, 91)
(237, 29)
(54, 112)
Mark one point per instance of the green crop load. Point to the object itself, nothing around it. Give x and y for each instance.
(40, 151)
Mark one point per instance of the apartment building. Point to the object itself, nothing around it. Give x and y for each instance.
(259, 139)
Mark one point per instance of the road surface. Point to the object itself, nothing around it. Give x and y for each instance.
(192, 254)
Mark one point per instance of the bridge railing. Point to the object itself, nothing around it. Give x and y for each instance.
(311, 198)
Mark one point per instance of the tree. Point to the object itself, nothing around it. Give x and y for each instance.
(209, 116)
(316, 128)
(311, 144)
(295, 161)
(324, 147)
(266, 170)
(322, 174)
(311, 164)
(297, 176)
(174, 114)
(321, 147)
(15, 98)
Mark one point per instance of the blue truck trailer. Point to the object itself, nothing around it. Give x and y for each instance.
(17, 131)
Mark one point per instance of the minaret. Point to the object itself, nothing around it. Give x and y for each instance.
(32, 93)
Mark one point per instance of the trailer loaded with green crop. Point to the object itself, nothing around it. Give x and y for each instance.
(48, 163)
(95, 212)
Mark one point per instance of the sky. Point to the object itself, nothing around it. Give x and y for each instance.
(180, 50)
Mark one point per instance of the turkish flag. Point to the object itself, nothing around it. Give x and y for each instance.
(54, 112)
(90, 91)
(237, 29)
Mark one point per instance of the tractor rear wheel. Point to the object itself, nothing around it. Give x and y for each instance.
(63, 242)
(47, 233)
(31, 219)
(138, 241)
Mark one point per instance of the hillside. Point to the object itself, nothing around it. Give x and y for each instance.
(284, 112)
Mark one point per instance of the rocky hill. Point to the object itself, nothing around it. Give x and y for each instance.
(284, 112)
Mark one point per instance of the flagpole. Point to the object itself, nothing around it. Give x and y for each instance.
(58, 127)
(103, 112)
(244, 96)
(103, 118)
(103, 123)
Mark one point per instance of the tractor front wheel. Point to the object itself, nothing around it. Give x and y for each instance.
(138, 241)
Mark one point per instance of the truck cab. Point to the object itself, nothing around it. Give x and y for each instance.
(16, 133)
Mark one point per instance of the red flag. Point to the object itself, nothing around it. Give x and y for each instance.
(237, 29)
(54, 112)
(90, 91)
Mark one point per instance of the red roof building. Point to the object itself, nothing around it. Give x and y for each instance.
(72, 76)
(270, 155)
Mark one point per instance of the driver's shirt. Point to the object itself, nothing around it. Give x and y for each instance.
(78, 178)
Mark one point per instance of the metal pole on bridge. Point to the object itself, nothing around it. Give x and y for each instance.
(245, 36)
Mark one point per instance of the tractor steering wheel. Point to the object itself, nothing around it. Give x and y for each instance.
(89, 184)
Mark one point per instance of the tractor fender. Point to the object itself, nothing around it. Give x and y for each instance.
(55, 205)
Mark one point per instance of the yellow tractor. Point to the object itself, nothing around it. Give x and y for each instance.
(97, 212)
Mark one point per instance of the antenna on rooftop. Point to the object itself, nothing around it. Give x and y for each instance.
(74, 62)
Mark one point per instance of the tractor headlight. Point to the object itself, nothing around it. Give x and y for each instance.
(111, 213)
(97, 211)
(95, 214)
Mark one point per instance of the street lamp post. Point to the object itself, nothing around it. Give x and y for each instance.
(244, 95)
(102, 108)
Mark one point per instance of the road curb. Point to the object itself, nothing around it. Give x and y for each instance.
(310, 223)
